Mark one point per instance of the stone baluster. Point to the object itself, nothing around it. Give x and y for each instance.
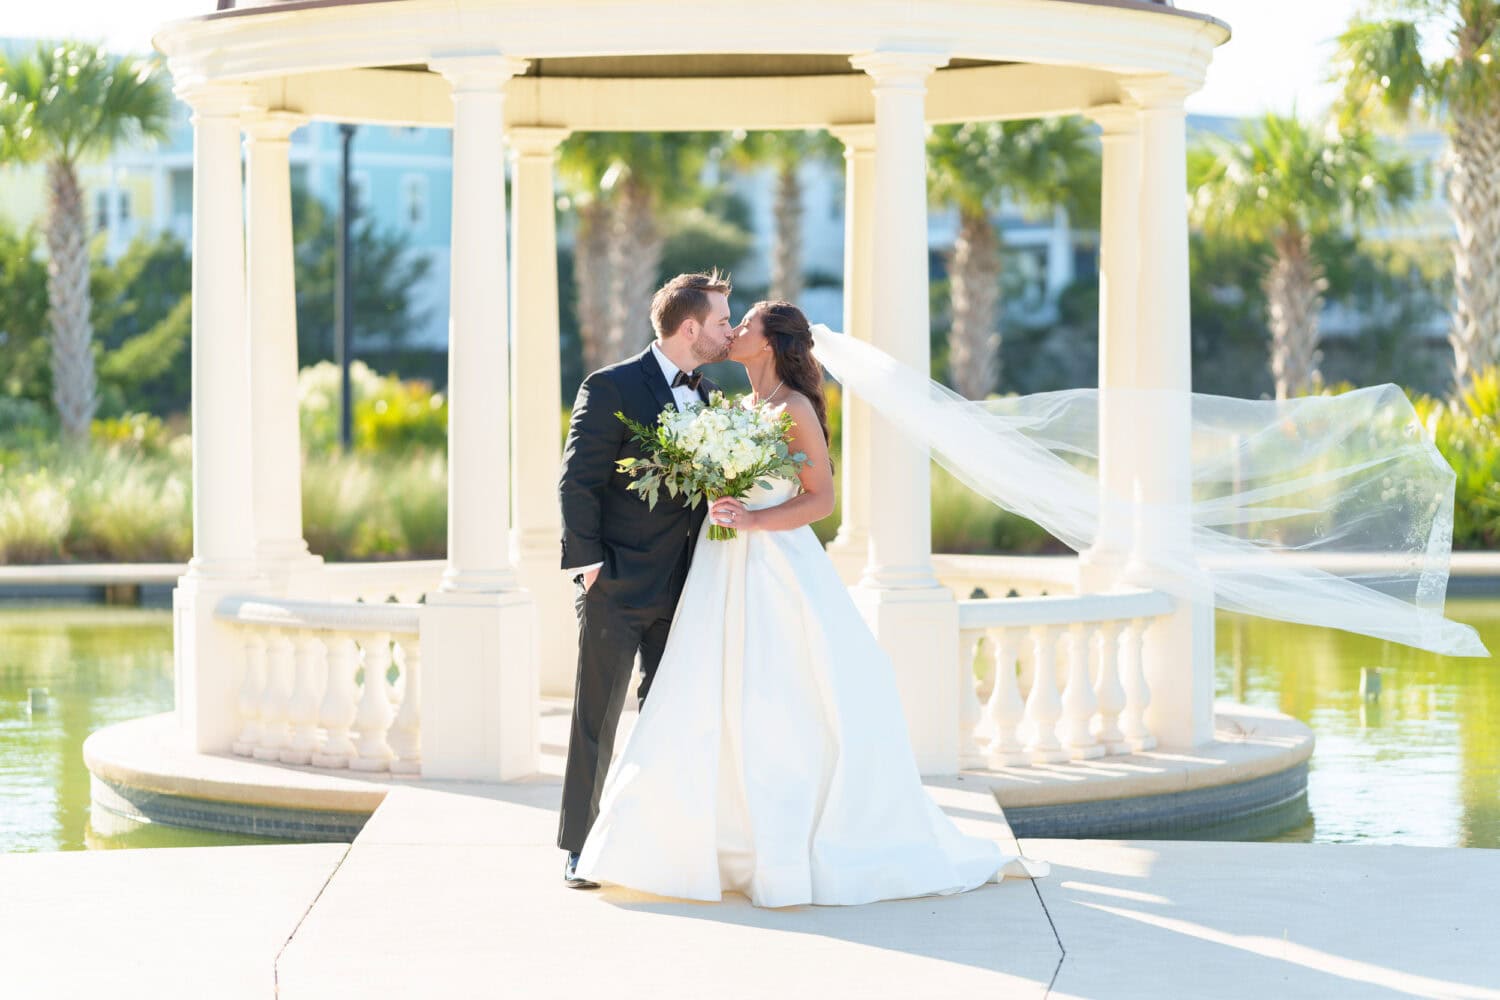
(274, 733)
(302, 709)
(1043, 706)
(1005, 709)
(1109, 692)
(252, 690)
(373, 717)
(339, 707)
(1078, 698)
(1137, 693)
(406, 731)
(1026, 667)
(969, 754)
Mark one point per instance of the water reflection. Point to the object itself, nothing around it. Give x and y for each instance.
(100, 666)
(1418, 764)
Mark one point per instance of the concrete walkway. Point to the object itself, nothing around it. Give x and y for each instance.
(454, 889)
(451, 894)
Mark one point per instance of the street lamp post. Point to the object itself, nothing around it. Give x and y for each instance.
(343, 295)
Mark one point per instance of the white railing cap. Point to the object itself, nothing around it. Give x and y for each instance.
(1063, 609)
(332, 616)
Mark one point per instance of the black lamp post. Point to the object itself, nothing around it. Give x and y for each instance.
(343, 293)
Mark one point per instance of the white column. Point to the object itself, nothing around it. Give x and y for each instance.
(271, 314)
(900, 511)
(208, 659)
(1179, 648)
(915, 619)
(222, 511)
(536, 391)
(479, 629)
(850, 549)
(1119, 272)
(478, 348)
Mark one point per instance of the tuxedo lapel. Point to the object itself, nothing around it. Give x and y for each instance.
(656, 382)
(704, 388)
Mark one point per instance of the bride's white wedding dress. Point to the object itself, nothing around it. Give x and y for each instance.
(772, 757)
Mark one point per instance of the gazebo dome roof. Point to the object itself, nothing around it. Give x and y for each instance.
(646, 65)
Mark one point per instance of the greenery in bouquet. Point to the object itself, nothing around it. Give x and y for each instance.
(709, 451)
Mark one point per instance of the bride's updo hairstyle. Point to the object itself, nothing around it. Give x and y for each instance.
(790, 338)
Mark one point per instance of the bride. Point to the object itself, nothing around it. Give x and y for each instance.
(772, 758)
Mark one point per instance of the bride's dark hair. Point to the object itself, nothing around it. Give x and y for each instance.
(790, 338)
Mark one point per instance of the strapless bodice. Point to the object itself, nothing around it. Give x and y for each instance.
(779, 491)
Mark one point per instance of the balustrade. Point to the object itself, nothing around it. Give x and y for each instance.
(317, 688)
(1051, 679)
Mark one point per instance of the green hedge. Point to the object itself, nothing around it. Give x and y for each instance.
(127, 495)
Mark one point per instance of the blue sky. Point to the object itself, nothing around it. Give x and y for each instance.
(1279, 55)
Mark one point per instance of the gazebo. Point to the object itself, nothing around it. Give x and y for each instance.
(280, 657)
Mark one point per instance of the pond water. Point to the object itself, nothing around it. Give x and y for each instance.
(1419, 764)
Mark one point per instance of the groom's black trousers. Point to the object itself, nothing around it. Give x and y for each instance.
(609, 636)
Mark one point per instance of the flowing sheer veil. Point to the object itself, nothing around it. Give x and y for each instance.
(1324, 510)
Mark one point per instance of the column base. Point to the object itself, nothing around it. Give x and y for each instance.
(849, 553)
(919, 629)
(475, 581)
(479, 685)
(292, 571)
(1179, 668)
(1099, 570)
(557, 623)
(208, 661)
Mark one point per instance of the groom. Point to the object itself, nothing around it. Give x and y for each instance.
(629, 561)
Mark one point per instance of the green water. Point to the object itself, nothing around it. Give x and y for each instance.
(1418, 765)
(100, 665)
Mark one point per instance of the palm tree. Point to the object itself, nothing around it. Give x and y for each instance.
(1387, 66)
(978, 167)
(63, 105)
(1280, 185)
(622, 182)
(785, 153)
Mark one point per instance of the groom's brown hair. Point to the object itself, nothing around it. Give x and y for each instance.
(685, 297)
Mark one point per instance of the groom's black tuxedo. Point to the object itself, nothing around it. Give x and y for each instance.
(645, 553)
(603, 520)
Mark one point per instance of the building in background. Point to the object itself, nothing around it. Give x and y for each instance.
(402, 178)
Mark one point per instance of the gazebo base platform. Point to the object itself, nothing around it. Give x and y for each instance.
(1250, 782)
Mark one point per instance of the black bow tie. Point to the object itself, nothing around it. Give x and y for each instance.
(689, 379)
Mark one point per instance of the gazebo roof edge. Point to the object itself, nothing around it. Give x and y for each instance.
(230, 9)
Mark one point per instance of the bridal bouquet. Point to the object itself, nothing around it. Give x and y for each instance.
(705, 452)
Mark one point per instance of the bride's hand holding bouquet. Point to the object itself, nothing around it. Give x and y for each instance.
(713, 452)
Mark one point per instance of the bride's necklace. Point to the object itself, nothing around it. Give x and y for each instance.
(772, 396)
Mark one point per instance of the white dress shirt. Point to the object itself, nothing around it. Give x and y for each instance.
(682, 395)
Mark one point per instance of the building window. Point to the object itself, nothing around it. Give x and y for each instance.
(414, 201)
(101, 210)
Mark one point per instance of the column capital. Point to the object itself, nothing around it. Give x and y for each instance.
(534, 140)
(906, 68)
(1117, 119)
(219, 98)
(478, 72)
(267, 125)
(1161, 90)
(857, 138)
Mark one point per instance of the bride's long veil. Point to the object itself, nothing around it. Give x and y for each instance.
(1324, 510)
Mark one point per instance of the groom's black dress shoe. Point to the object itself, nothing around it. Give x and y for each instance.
(571, 876)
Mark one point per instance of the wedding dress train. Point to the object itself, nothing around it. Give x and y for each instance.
(772, 757)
